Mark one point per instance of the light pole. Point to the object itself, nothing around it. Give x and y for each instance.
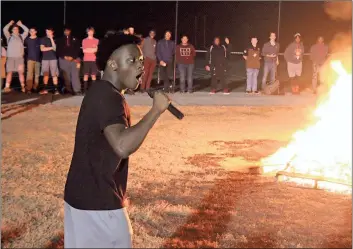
(175, 42)
(64, 13)
(279, 19)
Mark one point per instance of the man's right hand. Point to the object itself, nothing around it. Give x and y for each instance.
(208, 68)
(160, 102)
(162, 63)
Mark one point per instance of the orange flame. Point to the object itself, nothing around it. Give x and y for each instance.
(325, 148)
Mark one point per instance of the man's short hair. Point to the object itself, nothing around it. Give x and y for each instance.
(50, 29)
(182, 36)
(112, 41)
(67, 28)
(33, 28)
(152, 30)
(168, 31)
(272, 33)
(253, 37)
(90, 28)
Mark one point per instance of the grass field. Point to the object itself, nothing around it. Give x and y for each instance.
(189, 183)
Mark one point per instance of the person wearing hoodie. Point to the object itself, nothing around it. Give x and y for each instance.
(217, 65)
(15, 53)
(185, 57)
(165, 54)
(294, 58)
(68, 51)
(318, 55)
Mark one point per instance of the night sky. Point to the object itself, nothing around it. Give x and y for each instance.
(238, 20)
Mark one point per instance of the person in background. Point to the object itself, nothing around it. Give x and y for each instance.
(229, 48)
(252, 56)
(217, 65)
(131, 30)
(3, 62)
(294, 57)
(165, 54)
(185, 58)
(318, 55)
(89, 47)
(69, 61)
(49, 61)
(15, 53)
(33, 60)
(149, 54)
(270, 52)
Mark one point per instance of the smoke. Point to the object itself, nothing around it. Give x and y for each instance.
(339, 10)
(341, 44)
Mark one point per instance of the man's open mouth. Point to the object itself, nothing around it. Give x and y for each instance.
(139, 76)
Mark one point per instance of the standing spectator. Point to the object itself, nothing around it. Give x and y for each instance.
(217, 63)
(229, 48)
(294, 57)
(89, 47)
(69, 61)
(165, 53)
(33, 60)
(131, 30)
(270, 52)
(15, 52)
(185, 57)
(318, 55)
(252, 56)
(149, 54)
(49, 61)
(3, 62)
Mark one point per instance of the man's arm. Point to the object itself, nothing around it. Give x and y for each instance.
(158, 51)
(288, 53)
(5, 30)
(43, 48)
(125, 141)
(25, 29)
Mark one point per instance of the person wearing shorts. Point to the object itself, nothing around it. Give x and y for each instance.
(294, 57)
(15, 52)
(89, 47)
(49, 61)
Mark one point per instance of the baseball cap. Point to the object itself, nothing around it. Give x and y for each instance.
(297, 34)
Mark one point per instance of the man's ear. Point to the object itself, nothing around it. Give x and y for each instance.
(112, 64)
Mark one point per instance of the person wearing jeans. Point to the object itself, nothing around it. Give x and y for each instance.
(165, 54)
(270, 52)
(185, 57)
(68, 50)
(318, 55)
(252, 58)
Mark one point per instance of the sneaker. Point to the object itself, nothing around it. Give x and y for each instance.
(189, 92)
(56, 92)
(43, 92)
(182, 92)
(7, 89)
(213, 91)
(247, 92)
(226, 91)
(23, 89)
(256, 92)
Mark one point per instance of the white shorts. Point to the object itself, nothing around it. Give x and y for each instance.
(97, 229)
(294, 69)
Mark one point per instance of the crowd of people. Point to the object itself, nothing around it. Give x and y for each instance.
(61, 59)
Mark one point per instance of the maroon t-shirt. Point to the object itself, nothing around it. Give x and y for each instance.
(185, 54)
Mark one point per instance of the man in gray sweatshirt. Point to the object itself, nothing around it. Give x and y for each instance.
(318, 55)
(294, 58)
(149, 54)
(15, 52)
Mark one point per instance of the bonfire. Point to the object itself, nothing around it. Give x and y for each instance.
(321, 154)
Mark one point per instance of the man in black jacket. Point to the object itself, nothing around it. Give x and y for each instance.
(217, 64)
(68, 51)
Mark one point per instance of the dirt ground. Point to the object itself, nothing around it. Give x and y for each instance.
(189, 183)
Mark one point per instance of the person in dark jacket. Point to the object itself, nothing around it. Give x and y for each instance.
(68, 51)
(294, 58)
(165, 54)
(217, 65)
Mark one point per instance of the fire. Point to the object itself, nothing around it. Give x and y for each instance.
(324, 149)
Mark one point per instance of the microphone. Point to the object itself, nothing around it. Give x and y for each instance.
(171, 108)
